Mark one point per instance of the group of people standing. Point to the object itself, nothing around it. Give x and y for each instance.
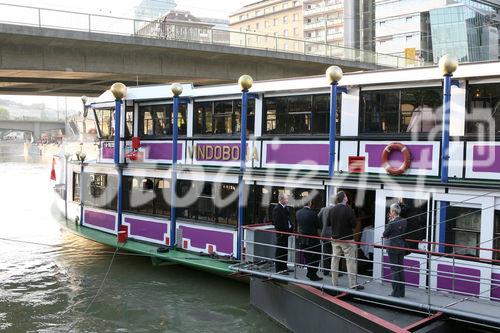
(336, 221)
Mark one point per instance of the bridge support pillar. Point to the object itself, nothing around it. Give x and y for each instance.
(36, 130)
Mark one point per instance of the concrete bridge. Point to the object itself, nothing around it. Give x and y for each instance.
(74, 60)
(34, 126)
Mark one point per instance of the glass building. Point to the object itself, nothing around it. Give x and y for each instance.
(465, 31)
(150, 10)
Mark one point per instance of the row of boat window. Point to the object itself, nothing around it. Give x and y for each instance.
(412, 110)
(218, 203)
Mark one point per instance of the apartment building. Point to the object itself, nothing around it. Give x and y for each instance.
(260, 23)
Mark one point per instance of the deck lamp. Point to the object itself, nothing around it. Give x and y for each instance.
(119, 91)
(84, 102)
(245, 82)
(448, 64)
(333, 75)
(176, 91)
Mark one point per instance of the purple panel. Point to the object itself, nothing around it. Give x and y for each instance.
(412, 268)
(286, 153)
(200, 238)
(495, 286)
(467, 282)
(421, 156)
(161, 150)
(223, 152)
(484, 158)
(147, 229)
(99, 219)
(108, 152)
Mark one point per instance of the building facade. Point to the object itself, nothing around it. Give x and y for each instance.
(427, 29)
(281, 21)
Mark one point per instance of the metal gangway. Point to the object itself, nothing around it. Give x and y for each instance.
(439, 290)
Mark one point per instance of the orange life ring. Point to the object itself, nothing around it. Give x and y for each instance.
(406, 158)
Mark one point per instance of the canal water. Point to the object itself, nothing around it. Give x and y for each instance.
(48, 277)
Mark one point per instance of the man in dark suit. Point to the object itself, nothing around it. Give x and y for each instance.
(309, 224)
(342, 220)
(281, 222)
(394, 232)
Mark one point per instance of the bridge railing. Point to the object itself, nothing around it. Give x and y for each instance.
(95, 23)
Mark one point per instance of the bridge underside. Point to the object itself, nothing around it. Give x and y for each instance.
(47, 61)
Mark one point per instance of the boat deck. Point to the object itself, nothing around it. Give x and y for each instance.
(416, 299)
(202, 262)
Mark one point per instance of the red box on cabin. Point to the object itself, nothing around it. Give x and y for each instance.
(122, 233)
(356, 164)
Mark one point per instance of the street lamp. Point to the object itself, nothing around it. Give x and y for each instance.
(85, 112)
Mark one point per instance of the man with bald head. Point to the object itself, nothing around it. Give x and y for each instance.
(282, 223)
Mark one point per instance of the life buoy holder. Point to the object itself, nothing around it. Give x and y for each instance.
(406, 158)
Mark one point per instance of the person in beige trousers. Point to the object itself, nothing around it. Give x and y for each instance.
(342, 220)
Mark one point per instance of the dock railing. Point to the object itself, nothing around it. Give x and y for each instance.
(182, 32)
(455, 269)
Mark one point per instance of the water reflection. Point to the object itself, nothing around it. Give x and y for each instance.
(46, 287)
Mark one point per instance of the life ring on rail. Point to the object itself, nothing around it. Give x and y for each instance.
(406, 158)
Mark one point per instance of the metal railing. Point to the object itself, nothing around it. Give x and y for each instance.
(94, 23)
(260, 257)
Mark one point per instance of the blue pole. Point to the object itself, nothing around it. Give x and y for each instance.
(445, 156)
(175, 133)
(241, 183)
(116, 157)
(333, 128)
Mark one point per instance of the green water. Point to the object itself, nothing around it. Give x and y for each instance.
(49, 288)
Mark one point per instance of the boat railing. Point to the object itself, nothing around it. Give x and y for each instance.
(259, 257)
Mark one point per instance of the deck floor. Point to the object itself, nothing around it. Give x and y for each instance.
(416, 298)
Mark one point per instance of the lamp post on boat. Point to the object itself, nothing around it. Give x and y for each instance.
(80, 156)
(119, 91)
(333, 75)
(448, 64)
(245, 82)
(176, 90)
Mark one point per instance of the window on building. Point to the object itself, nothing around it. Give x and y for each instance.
(483, 111)
(156, 121)
(285, 33)
(295, 31)
(275, 22)
(76, 187)
(295, 17)
(100, 190)
(463, 227)
(414, 110)
(304, 114)
(222, 117)
(266, 24)
(285, 19)
(257, 26)
(241, 17)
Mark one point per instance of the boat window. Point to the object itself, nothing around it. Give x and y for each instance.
(76, 187)
(483, 111)
(129, 122)
(415, 110)
(103, 119)
(304, 114)
(156, 121)
(463, 227)
(216, 202)
(100, 190)
(222, 117)
(496, 237)
(263, 199)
